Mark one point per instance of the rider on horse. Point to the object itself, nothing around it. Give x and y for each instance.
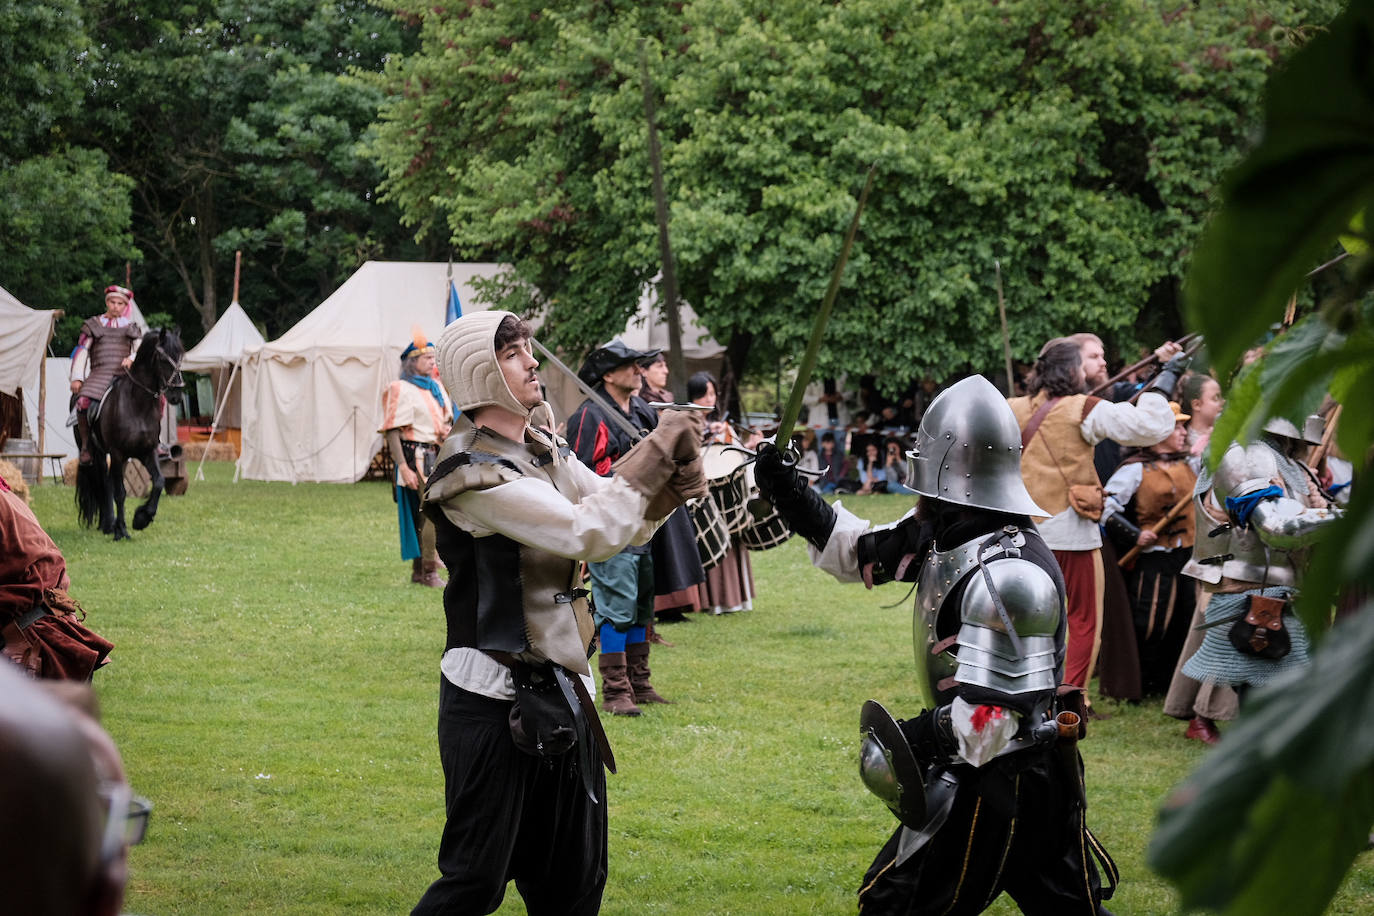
(107, 344)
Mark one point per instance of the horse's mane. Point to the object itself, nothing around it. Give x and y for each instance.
(151, 340)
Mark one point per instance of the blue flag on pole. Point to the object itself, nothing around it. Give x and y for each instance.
(455, 308)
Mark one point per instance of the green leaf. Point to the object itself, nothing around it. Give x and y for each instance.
(1228, 837)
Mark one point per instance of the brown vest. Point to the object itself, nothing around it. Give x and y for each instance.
(1058, 456)
(1162, 485)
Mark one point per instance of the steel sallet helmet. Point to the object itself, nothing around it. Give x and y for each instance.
(968, 451)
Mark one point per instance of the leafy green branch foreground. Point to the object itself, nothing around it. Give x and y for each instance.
(274, 691)
(1272, 821)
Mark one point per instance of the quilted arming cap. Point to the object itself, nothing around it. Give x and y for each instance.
(468, 366)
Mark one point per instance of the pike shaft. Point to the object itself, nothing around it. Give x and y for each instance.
(808, 365)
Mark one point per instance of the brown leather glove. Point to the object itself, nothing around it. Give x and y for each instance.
(652, 463)
(687, 482)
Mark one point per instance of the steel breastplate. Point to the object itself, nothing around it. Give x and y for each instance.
(941, 575)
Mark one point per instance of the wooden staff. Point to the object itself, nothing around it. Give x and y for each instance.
(1159, 526)
(1188, 351)
(1135, 367)
(1318, 453)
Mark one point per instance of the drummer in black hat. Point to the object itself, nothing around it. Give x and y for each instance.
(623, 586)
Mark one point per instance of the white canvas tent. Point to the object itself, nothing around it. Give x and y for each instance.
(24, 336)
(220, 354)
(312, 398)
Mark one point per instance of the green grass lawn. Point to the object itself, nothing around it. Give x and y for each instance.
(274, 689)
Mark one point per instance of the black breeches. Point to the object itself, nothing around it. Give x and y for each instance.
(512, 816)
(1014, 827)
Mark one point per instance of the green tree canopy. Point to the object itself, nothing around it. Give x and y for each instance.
(1075, 143)
(240, 123)
(64, 216)
(1274, 817)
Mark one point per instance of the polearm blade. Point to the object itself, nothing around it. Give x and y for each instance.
(808, 364)
(616, 416)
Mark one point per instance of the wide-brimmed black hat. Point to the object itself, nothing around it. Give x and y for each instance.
(604, 359)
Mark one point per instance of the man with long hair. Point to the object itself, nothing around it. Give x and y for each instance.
(1060, 424)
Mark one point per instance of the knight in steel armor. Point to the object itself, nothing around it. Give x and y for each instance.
(106, 345)
(989, 796)
(515, 514)
(1258, 515)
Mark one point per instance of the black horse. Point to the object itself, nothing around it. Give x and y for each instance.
(129, 425)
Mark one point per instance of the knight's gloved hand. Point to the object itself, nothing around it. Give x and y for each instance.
(931, 735)
(651, 464)
(799, 505)
(687, 482)
(1167, 379)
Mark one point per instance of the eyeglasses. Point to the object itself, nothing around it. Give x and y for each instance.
(126, 821)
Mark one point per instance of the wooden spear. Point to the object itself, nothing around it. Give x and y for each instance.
(1157, 527)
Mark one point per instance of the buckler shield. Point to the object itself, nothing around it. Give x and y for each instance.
(888, 767)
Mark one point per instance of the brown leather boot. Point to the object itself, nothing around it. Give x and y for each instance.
(429, 574)
(417, 571)
(637, 660)
(616, 695)
(83, 429)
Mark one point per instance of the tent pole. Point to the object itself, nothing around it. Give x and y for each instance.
(214, 422)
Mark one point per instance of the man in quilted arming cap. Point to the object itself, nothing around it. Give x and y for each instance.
(516, 514)
(106, 345)
(416, 417)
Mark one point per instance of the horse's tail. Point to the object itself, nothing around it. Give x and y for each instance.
(91, 484)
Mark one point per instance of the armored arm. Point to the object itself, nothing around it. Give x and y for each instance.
(799, 505)
(1011, 638)
(1121, 530)
(1168, 376)
(1247, 484)
(1287, 524)
(893, 552)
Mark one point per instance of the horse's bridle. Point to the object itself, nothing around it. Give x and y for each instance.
(173, 379)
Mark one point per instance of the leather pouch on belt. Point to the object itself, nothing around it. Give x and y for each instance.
(1261, 633)
(1087, 500)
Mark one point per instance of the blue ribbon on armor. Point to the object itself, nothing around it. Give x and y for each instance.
(1241, 508)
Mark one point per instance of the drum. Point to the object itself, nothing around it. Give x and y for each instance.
(766, 532)
(713, 538)
(725, 475)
